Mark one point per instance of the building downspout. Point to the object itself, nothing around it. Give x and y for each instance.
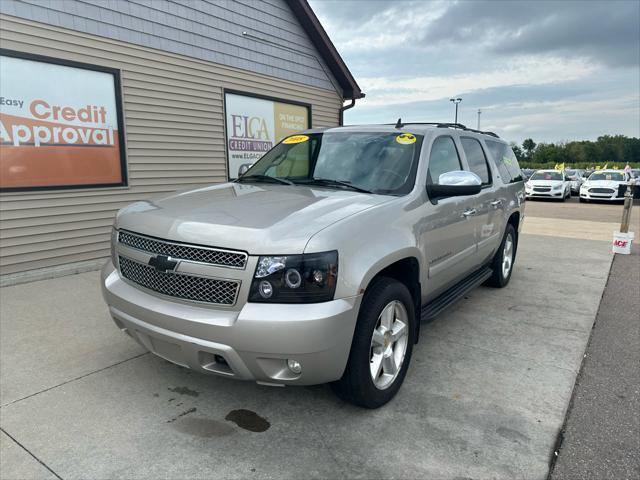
(347, 107)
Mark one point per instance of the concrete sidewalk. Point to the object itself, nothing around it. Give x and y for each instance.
(601, 438)
(485, 396)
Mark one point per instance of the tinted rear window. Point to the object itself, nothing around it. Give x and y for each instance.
(505, 160)
(476, 159)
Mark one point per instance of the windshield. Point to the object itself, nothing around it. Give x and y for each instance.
(570, 173)
(546, 176)
(615, 176)
(383, 163)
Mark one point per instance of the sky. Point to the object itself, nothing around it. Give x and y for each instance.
(554, 71)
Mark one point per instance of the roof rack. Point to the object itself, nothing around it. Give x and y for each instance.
(399, 124)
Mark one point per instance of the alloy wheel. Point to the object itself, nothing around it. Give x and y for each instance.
(389, 344)
(507, 256)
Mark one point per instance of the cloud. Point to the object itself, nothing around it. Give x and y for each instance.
(604, 31)
(386, 91)
(548, 69)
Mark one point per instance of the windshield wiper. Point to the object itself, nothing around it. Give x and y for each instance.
(264, 178)
(341, 183)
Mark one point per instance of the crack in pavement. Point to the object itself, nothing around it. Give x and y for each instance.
(29, 452)
(74, 379)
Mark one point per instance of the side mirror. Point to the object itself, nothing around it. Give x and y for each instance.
(243, 168)
(455, 184)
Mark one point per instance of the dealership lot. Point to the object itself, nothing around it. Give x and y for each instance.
(485, 396)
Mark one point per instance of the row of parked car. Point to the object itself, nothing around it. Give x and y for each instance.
(608, 185)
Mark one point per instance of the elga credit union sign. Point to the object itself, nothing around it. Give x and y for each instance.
(255, 125)
(59, 125)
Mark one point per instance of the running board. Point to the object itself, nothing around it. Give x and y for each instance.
(434, 308)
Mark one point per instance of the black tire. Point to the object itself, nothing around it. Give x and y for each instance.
(356, 385)
(498, 280)
(583, 200)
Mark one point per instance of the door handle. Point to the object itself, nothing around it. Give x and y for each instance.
(470, 212)
(496, 203)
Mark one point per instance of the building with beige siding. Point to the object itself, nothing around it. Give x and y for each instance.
(106, 102)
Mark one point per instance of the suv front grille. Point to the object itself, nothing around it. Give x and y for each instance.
(200, 289)
(213, 256)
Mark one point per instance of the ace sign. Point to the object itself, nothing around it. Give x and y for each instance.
(255, 124)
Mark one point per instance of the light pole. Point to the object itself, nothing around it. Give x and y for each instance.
(456, 101)
(479, 112)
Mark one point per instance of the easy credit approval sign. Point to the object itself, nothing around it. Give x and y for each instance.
(59, 125)
(254, 125)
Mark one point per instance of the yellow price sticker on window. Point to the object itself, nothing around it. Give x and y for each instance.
(295, 139)
(406, 139)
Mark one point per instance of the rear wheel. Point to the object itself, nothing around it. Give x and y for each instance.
(381, 347)
(502, 264)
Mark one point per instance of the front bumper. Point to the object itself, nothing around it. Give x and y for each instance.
(551, 194)
(610, 197)
(252, 343)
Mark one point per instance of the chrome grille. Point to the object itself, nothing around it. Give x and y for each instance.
(200, 289)
(601, 190)
(213, 256)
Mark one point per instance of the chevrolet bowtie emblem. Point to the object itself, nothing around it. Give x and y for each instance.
(162, 263)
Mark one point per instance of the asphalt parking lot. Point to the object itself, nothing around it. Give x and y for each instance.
(485, 397)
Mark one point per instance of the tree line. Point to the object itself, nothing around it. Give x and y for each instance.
(615, 151)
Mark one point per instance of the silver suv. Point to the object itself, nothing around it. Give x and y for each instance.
(321, 261)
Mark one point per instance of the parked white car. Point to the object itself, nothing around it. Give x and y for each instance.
(548, 184)
(604, 185)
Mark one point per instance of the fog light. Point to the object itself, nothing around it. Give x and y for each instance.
(294, 366)
(265, 289)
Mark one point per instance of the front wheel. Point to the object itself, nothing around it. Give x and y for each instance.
(502, 264)
(381, 347)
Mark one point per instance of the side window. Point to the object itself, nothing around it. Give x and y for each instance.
(506, 161)
(477, 159)
(444, 158)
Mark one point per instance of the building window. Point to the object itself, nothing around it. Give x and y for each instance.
(255, 124)
(60, 124)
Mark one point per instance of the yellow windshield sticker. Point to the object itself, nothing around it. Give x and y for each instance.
(295, 139)
(406, 139)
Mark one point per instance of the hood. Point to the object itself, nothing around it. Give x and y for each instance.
(259, 219)
(545, 183)
(604, 183)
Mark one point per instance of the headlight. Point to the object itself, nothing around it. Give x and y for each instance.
(308, 278)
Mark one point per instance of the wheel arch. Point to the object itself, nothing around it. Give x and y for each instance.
(514, 220)
(405, 270)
